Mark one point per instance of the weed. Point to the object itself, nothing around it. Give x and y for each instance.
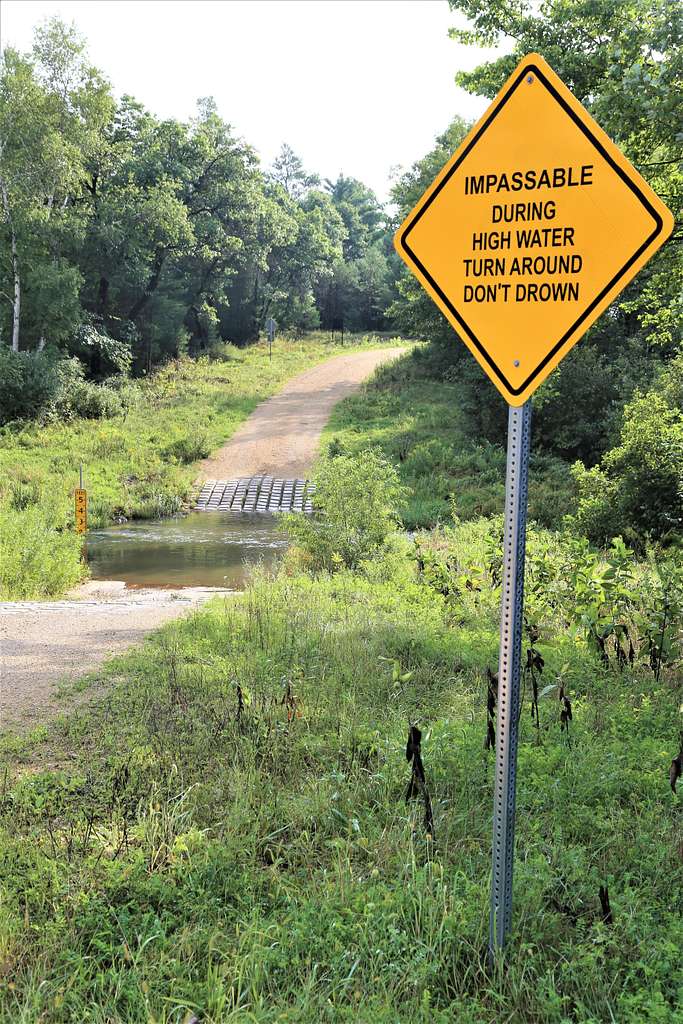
(415, 415)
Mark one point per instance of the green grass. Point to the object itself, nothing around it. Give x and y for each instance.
(166, 853)
(138, 465)
(413, 411)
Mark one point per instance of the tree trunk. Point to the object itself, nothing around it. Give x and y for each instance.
(102, 295)
(16, 305)
(255, 309)
(16, 310)
(149, 289)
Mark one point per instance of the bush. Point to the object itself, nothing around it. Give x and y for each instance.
(355, 502)
(35, 385)
(157, 495)
(220, 352)
(76, 397)
(577, 411)
(36, 558)
(637, 491)
(188, 448)
(28, 382)
(22, 487)
(103, 353)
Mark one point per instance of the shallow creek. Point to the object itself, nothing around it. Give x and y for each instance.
(202, 549)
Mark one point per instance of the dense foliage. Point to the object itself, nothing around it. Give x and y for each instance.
(413, 411)
(637, 488)
(129, 239)
(355, 508)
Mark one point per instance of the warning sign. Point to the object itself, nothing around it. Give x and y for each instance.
(531, 230)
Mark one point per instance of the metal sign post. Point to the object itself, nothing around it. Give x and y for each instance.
(509, 673)
(271, 327)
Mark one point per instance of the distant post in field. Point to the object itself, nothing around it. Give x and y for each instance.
(271, 327)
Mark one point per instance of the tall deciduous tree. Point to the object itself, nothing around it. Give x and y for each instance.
(125, 237)
(52, 105)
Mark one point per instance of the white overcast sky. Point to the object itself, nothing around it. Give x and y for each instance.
(357, 86)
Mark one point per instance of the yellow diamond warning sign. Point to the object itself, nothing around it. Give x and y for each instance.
(531, 230)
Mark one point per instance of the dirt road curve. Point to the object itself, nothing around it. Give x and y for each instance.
(44, 643)
(281, 436)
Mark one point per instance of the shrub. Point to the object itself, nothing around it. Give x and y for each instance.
(577, 411)
(220, 352)
(22, 487)
(355, 502)
(28, 382)
(77, 397)
(36, 558)
(102, 352)
(638, 488)
(188, 448)
(157, 504)
(157, 495)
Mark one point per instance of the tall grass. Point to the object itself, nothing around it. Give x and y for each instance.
(37, 558)
(226, 834)
(416, 416)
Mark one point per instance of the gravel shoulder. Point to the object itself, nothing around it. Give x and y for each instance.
(43, 643)
(46, 643)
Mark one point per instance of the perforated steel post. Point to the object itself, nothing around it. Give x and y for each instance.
(509, 672)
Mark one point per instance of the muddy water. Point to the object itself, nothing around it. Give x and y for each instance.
(209, 549)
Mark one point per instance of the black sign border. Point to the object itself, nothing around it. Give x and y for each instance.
(526, 70)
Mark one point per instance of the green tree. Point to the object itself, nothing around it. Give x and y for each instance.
(413, 310)
(173, 207)
(288, 171)
(361, 212)
(356, 294)
(637, 489)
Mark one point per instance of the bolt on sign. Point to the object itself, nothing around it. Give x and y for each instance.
(531, 230)
(81, 505)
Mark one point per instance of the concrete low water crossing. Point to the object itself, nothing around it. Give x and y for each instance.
(196, 550)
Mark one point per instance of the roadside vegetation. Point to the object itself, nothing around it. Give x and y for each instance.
(138, 462)
(227, 833)
(422, 411)
(614, 404)
(416, 411)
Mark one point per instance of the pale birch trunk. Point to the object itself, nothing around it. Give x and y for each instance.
(16, 305)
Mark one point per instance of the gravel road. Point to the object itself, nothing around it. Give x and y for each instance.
(281, 437)
(47, 642)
